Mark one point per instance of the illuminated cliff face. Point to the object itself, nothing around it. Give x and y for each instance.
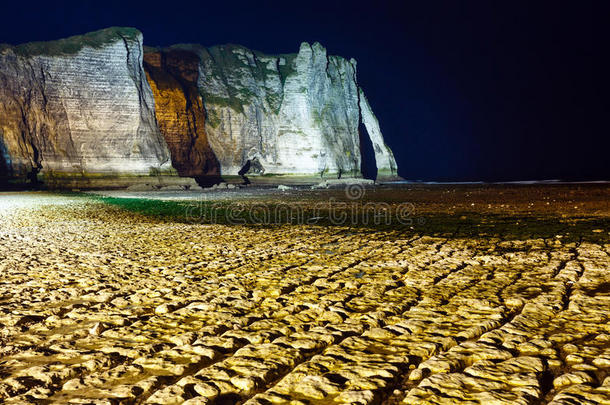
(95, 110)
(78, 107)
(296, 114)
(293, 114)
(179, 110)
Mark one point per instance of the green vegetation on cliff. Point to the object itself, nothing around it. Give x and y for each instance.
(223, 61)
(72, 45)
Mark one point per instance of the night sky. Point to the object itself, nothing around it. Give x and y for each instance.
(477, 90)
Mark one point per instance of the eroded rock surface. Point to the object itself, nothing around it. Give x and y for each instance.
(98, 305)
(180, 112)
(80, 111)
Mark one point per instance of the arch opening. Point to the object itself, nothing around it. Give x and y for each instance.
(368, 164)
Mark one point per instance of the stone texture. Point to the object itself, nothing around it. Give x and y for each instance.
(101, 305)
(79, 107)
(384, 158)
(179, 110)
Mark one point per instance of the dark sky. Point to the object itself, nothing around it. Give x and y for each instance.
(474, 90)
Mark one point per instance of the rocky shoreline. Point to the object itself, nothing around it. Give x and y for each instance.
(103, 305)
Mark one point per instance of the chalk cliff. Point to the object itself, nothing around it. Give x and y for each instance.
(384, 158)
(97, 109)
(294, 114)
(78, 108)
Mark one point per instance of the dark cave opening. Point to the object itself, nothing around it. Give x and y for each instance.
(252, 166)
(242, 172)
(368, 166)
(4, 172)
(208, 180)
(5, 166)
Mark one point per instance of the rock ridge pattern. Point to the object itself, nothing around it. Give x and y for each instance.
(95, 106)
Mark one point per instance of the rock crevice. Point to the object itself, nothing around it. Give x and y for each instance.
(179, 111)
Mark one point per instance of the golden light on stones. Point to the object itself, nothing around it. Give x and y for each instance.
(100, 304)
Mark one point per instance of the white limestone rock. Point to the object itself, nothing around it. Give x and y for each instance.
(82, 109)
(293, 114)
(79, 106)
(384, 158)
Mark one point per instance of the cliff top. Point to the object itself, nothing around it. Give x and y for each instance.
(71, 45)
(263, 68)
(230, 47)
(194, 47)
(97, 39)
